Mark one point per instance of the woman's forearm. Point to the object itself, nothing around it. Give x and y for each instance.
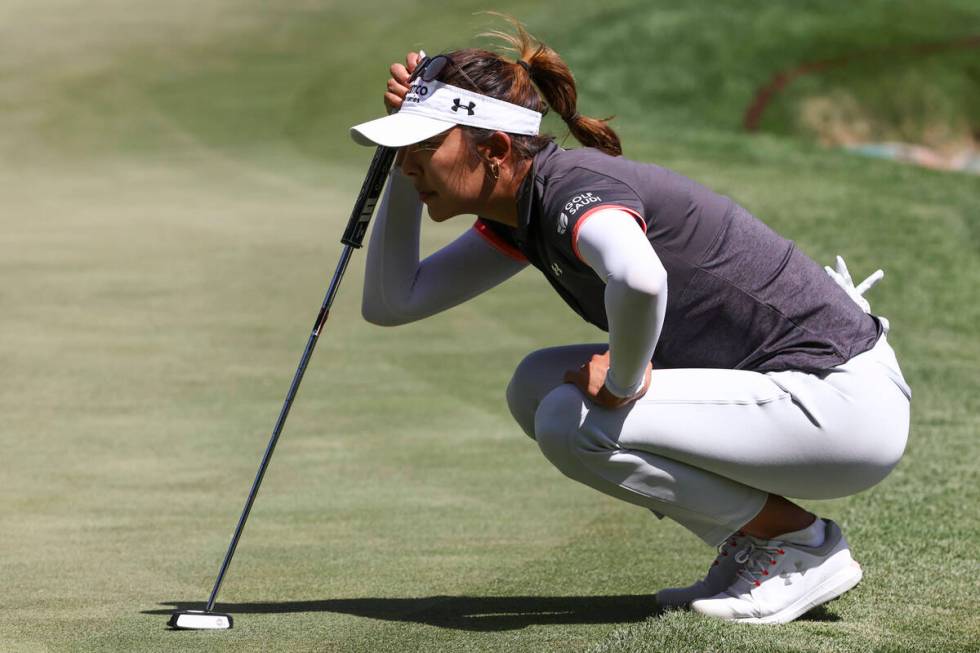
(398, 288)
(393, 252)
(636, 294)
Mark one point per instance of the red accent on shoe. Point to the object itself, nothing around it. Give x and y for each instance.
(765, 572)
(781, 552)
(758, 584)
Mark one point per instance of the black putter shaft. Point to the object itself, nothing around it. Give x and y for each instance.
(352, 238)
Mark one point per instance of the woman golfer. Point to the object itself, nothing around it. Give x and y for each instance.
(766, 381)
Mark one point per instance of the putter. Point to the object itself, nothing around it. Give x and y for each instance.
(353, 236)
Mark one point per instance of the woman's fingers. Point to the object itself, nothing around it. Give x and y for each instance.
(589, 379)
(394, 86)
(412, 60)
(395, 95)
(595, 375)
(398, 82)
(392, 102)
(400, 73)
(578, 379)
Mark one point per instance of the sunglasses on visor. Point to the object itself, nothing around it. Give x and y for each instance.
(430, 68)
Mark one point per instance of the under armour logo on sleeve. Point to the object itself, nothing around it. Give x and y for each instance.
(457, 105)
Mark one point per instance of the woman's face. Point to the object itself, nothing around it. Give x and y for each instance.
(450, 180)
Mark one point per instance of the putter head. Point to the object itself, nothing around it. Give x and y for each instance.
(199, 620)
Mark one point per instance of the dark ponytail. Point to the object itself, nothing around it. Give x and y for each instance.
(537, 68)
(554, 79)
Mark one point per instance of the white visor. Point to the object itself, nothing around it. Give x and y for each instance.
(431, 108)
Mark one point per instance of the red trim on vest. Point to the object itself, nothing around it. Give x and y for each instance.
(499, 243)
(596, 209)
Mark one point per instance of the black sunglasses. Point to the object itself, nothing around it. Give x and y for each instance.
(430, 68)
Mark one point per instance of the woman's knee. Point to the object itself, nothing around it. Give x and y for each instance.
(526, 389)
(557, 426)
(520, 403)
(538, 374)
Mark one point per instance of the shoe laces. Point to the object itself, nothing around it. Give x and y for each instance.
(728, 548)
(758, 560)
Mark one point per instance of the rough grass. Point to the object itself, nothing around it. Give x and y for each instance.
(174, 181)
(932, 100)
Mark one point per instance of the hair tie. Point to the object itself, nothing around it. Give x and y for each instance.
(525, 65)
(572, 118)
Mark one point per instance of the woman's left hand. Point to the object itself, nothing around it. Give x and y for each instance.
(590, 378)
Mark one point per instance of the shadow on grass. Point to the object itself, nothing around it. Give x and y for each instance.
(462, 612)
(819, 613)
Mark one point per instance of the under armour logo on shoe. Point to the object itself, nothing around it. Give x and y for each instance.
(787, 576)
(556, 269)
(457, 105)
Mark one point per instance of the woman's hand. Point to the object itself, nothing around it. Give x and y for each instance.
(398, 84)
(591, 380)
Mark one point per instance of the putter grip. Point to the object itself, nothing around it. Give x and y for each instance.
(368, 198)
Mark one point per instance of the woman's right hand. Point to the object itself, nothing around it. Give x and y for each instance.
(590, 378)
(398, 84)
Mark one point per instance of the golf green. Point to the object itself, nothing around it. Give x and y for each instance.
(174, 181)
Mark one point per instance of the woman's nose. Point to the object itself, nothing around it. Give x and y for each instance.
(405, 161)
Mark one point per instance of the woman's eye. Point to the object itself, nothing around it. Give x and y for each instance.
(429, 145)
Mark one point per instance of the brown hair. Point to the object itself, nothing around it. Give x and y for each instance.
(545, 74)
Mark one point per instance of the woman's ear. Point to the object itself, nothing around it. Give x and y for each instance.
(496, 149)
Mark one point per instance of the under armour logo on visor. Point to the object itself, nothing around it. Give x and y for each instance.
(457, 105)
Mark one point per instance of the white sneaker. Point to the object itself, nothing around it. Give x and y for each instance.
(720, 575)
(780, 580)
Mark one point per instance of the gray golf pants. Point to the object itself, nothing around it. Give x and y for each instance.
(705, 447)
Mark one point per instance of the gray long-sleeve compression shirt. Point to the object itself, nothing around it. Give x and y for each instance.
(399, 288)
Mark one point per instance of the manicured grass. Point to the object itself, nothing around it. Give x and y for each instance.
(174, 182)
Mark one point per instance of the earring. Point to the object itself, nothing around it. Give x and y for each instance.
(495, 170)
